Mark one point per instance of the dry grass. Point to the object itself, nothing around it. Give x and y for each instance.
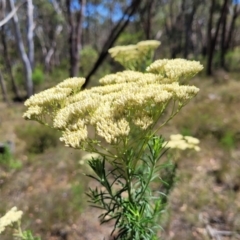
(49, 187)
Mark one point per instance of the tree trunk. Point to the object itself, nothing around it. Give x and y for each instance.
(75, 36)
(212, 39)
(39, 34)
(223, 40)
(52, 48)
(9, 66)
(174, 28)
(30, 27)
(209, 39)
(3, 88)
(147, 18)
(25, 60)
(6, 54)
(236, 12)
(49, 51)
(10, 15)
(188, 19)
(116, 31)
(53, 43)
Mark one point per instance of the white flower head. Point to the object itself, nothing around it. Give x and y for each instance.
(13, 215)
(178, 141)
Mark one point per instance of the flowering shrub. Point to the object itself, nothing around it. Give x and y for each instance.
(9, 218)
(178, 141)
(119, 121)
(13, 219)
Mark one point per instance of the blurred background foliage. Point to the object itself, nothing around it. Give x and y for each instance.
(71, 38)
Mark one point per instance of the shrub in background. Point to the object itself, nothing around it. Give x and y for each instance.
(87, 55)
(38, 76)
(38, 138)
(7, 160)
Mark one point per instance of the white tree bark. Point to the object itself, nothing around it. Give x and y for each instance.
(10, 15)
(25, 60)
(30, 24)
(57, 32)
(53, 46)
(39, 33)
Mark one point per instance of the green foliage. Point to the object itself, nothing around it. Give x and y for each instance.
(15, 164)
(203, 119)
(6, 156)
(185, 131)
(27, 235)
(77, 192)
(128, 38)
(46, 12)
(38, 138)
(59, 73)
(7, 160)
(217, 59)
(128, 197)
(18, 73)
(233, 59)
(228, 140)
(38, 76)
(88, 56)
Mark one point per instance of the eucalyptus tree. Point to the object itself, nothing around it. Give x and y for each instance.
(212, 36)
(7, 61)
(20, 44)
(228, 29)
(50, 23)
(75, 21)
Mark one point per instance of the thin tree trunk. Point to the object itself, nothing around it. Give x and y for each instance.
(3, 88)
(209, 39)
(116, 31)
(236, 12)
(75, 36)
(52, 48)
(6, 54)
(25, 60)
(223, 40)
(188, 18)
(50, 53)
(9, 66)
(71, 37)
(174, 30)
(147, 20)
(39, 34)
(213, 39)
(30, 27)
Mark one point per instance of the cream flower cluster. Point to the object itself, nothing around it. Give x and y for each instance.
(131, 56)
(175, 69)
(181, 142)
(13, 215)
(127, 102)
(46, 103)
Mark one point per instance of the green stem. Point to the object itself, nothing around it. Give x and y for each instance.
(148, 181)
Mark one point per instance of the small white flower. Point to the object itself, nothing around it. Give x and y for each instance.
(181, 142)
(10, 217)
